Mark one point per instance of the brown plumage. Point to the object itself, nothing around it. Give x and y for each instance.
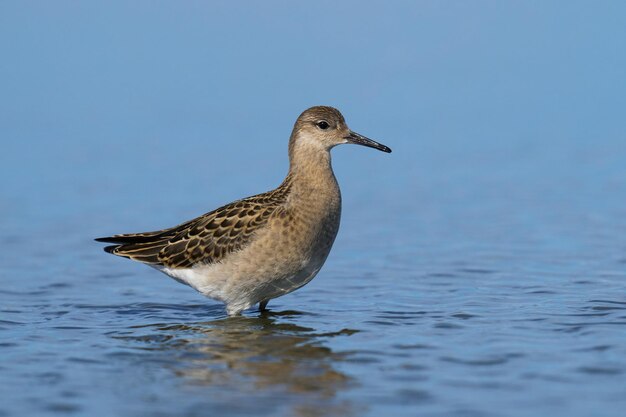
(264, 246)
(205, 239)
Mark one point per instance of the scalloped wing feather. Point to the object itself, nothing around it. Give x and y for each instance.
(216, 235)
(204, 240)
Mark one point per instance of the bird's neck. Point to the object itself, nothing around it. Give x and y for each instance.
(311, 173)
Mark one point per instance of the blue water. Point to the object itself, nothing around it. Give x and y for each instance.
(480, 269)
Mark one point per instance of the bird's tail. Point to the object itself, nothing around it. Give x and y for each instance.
(142, 247)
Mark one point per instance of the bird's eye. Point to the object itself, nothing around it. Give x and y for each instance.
(323, 124)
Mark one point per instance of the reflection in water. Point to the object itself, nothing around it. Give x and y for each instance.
(264, 357)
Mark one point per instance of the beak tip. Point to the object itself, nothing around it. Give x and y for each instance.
(355, 138)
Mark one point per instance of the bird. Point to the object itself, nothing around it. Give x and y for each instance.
(264, 246)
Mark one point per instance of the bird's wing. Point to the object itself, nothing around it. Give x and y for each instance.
(142, 237)
(206, 239)
(215, 235)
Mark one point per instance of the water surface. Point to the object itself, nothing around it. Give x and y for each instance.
(467, 294)
(480, 269)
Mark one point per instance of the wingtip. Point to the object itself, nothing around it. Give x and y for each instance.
(108, 239)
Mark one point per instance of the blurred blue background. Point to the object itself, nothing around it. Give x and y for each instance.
(500, 217)
(186, 93)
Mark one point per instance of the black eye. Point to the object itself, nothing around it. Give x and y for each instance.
(323, 124)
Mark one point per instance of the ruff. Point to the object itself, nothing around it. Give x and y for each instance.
(261, 247)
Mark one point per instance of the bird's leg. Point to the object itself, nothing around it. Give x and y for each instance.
(263, 305)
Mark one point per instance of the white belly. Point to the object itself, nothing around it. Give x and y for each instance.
(219, 282)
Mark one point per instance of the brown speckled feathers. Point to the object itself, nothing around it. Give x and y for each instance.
(265, 246)
(206, 239)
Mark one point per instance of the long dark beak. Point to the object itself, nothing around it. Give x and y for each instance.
(354, 137)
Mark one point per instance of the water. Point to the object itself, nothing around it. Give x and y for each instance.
(454, 291)
(480, 269)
